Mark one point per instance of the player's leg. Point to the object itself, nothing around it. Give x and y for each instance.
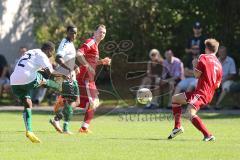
(91, 103)
(191, 114)
(67, 112)
(177, 101)
(58, 114)
(23, 93)
(71, 101)
(27, 117)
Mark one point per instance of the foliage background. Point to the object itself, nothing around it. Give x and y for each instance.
(149, 24)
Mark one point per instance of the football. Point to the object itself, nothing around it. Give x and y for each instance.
(144, 96)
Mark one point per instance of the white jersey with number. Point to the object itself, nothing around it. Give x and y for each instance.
(27, 66)
(67, 51)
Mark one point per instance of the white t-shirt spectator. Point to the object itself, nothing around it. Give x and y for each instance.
(228, 66)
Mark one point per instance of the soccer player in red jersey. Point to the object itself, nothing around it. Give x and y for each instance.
(88, 56)
(208, 70)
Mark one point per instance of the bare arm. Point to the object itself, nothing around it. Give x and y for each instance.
(81, 59)
(60, 61)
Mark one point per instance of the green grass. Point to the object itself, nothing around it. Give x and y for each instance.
(116, 137)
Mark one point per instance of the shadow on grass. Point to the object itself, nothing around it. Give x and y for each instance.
(78, 116)
(145, 139)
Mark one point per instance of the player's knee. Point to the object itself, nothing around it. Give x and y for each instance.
(26, 102)
(94, 104)
(77, 102)
(174, 99)
(189, 115)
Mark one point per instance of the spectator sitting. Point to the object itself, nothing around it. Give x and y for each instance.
(190, 82)
(229, 72)
(153, 68)
(154, 72)
(173, 72)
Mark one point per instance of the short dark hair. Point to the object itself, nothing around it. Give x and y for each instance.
(100, 25)
(72, 28)
(21, 47)
(48, 45)
(212, 45)
(222, 47)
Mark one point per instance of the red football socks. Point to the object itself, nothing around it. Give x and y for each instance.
(197, 122)
(177, 111)
(89, 116)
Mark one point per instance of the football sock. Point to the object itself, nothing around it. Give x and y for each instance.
(65, 126)
(88, 117)
(67, 112)
(197, 122)
(177, 111)
(27, 117)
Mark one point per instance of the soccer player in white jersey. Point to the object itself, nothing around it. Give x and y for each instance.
(26, 77)
(65, 58)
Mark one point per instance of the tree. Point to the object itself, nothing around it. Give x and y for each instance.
(149, 24)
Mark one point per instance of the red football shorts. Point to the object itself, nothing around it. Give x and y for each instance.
(196, 100)
(88, 92)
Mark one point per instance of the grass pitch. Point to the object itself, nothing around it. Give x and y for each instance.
(119, 137)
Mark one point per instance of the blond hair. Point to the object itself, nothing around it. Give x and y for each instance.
(212, 45)
(155, 51)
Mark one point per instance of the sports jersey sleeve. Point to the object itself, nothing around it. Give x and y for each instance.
(61, 48)
(83, 49)
(200, 64)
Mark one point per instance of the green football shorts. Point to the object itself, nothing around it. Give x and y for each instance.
(23, 91)
(70, 89)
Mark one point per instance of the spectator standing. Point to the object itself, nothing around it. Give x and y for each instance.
(195, 44)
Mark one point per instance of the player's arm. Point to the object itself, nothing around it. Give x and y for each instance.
(82, 60)
(61, 52)
(197, 68)
(61, 62)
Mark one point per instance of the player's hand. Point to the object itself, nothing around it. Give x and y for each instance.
(194, 62)
(106, 61)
